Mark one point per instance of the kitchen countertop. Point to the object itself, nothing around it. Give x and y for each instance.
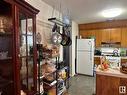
(122, 57)
(97, 55)
(111, 72)
(125, 57)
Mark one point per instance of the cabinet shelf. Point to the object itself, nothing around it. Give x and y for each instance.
(51, 56)
(66, 67)
(50, 84)
(8, 58)
(5, 34)
(47, 74)
(26, 34)
(4, 82)
(26, 56)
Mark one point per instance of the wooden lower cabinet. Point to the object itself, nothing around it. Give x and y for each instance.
(97, 60)
(108, 85)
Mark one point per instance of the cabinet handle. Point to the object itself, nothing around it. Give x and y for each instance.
(19, 55)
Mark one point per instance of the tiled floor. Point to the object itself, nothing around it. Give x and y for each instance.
(82, 85)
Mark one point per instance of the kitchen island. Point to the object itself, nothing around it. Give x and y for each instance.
(109, 82)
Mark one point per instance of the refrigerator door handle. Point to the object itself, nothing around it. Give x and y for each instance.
(90, 43)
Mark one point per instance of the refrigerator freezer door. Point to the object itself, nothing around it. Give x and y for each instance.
(85, 44)
(85, 63)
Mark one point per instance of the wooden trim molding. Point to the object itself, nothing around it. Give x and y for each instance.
(103, 25)
(26, 5)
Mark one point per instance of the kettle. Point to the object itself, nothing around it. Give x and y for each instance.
(115, 52)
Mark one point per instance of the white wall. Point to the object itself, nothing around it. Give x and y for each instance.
(44, 26)
(45, 9)
(74, 34)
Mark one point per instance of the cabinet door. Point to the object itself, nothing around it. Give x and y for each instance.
(107, 85)
(115, 35)
(105, 35)
(91, 33)
(124, 38)
(123, 82)
(98, 37)
(87, 33)
(27, 57)
(83, 33)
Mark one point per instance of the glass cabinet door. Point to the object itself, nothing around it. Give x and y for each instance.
(26, 53)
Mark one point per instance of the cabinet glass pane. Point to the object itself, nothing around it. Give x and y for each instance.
(30, 26)
(26, 53)
(23, 73)
(22, 24)
(23, 52)
(22, 45)
(30, 74)
(30, 45)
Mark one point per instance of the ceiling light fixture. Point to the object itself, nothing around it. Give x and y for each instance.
(110, 13)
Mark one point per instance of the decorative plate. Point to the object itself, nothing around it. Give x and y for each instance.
(38, 38)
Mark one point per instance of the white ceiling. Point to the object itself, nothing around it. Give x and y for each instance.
(87, 11)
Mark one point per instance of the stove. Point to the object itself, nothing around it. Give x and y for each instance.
(113, 56)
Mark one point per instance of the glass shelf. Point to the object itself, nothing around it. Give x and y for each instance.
(28, 56)
(26, 34)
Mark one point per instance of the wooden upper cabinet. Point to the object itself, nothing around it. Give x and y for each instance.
(111, 35)
(115, 35)
(91, 33)
(87, 33)
(83, 33)
(98, 37)
(124, 37)
(105, 34)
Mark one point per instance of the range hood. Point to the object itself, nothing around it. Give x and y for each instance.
(110, 44)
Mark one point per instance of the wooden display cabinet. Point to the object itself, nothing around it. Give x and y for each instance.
(18, 66)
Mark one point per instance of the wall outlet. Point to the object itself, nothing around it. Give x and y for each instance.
(122, 89)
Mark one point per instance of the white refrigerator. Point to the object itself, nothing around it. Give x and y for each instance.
(85, 56)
